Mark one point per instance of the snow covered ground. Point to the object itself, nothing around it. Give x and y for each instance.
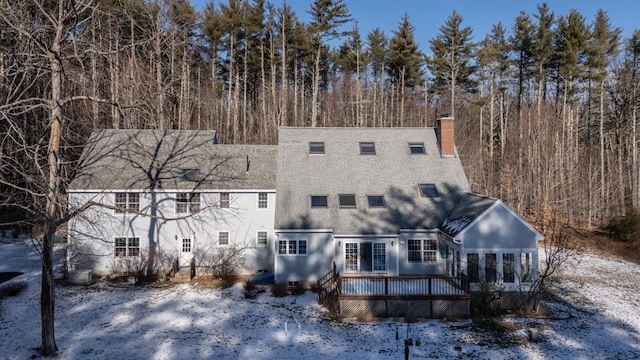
(599, 318)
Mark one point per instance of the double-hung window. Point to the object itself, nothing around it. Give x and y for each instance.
(262, 238)
(263, 201)
(223, 238)
(127, 202)
(422, 250)
(127, 246)
(225, 200)
(187, 203)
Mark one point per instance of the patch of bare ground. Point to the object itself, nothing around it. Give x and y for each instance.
(598, 242)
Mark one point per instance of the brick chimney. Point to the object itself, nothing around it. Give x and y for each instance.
(445, 127)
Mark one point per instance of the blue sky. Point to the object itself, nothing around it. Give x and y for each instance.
(428, 15)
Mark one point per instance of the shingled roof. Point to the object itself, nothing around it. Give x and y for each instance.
(171, 160)
(393, 172)
(468, 208)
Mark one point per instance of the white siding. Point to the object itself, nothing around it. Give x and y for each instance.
(93, 232)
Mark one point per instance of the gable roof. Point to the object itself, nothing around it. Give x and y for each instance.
(470, 209)
(393, 172)
(168, 159)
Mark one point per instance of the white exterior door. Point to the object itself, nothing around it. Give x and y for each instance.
(379, 257)
(186, 250)
(365, 257)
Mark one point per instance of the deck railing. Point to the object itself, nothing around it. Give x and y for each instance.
(329, 290)
(422, 286)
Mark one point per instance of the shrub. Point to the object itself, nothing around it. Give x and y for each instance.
(314, 287)
(250, 290)
(410, 318)
(365, 317)
(221, 263)
(12, 288)
(298, 289)
(626, 227)
(279, 289)
(141, 267)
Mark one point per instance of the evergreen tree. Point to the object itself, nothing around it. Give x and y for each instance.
(451, 62)
(543, 48)
(405, 59)
(523, 46)
(570, 45)
(377, 52)
(326, 17)
(350, 57)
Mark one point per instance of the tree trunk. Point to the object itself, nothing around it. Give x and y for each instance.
(47, 296)
(316, 88)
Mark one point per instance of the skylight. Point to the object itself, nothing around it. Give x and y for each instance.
(319, 201)
(417, 148)
(190, 174)
(429, 190)
(376, 201)
(316, 147)
(347, 200)
(367, 148)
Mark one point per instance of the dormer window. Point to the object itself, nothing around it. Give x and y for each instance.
(347, 200)
(417, 148)
(316, 147)
(429, 190)
(367, 148)
(319, 201)
(190, 174)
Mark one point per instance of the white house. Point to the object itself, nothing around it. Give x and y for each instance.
(176, 192)
(373, 202)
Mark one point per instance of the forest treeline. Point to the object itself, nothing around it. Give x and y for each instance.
(545, 107)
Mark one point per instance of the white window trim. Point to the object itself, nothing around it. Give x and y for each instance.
(188, 203)
(126, 247)
(277, 243)
(182, 238)
(220, 200)
(258, 237)
(125, 210)
(518, 276)
(228, 238)
(422, 250)
(258, 202)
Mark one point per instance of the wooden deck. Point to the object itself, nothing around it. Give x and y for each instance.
(382, 296)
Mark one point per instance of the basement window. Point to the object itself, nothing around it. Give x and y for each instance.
(429, 190)
(367, 148)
